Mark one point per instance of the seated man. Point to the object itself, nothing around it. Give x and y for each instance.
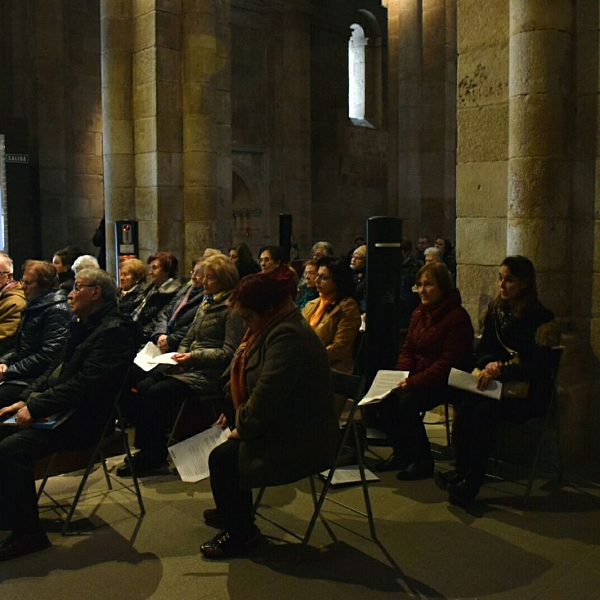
(12, 302)
(87, 377)
(42, 332)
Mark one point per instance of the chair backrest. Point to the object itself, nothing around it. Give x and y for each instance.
(349, 386)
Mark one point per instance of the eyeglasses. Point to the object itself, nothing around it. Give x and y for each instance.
(5, 272)
(77, 286)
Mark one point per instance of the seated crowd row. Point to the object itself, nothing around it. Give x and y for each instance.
(242, 346)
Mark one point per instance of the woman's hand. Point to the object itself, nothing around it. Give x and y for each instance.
(221, 421)
(183, 359)
(492, 371)
(162, 344)
(234, 435)
(402, 385)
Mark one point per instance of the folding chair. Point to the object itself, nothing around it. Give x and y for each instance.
(352, 387)
(553, 367)
(97, 454)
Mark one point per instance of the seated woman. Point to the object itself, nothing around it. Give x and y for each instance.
(132, 276)
(63, 261)
(308, 291)
(242, 259)
(444, 245)
(272, 263)
(440, 336)
(281, 412)
(202, 357)
(511, 350)
(173, 322)
(158, 293)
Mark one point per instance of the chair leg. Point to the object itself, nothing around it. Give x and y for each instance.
(259, 498)
(46, 476)
(136, 484)
(177, 419)
(365, 485)
(447, 415)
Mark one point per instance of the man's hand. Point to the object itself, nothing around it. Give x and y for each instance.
(162, 344)
(3, 368)
(24, 418)
(9, 410)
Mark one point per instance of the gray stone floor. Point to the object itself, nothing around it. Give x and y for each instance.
(427, 549)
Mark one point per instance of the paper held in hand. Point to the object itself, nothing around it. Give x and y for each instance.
(468, 382)
(150, 356)
(383, 385)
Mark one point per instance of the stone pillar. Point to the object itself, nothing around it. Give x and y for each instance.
(405, 113)
(117, 118)
(538, 167)
(157, 127)
(207, 175)
(296, 124)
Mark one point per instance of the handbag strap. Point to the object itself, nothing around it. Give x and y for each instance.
(513, 353)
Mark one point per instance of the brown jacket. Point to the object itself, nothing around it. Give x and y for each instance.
(288, 426)
(337, 330)
(12, 302)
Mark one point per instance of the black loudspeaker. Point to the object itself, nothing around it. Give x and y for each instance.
(384, 262)
(285, 235)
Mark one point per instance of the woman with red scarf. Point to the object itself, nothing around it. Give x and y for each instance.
(281, 412)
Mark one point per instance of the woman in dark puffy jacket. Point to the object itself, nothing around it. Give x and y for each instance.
(42, 332)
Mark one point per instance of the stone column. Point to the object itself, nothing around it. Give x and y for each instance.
(117, 118)
(157, 126)
(207, 175)
(538, 167)
(405, 114)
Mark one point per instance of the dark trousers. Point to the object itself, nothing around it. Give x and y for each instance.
(233, 503)
(19, 449)
(475, 419)
(403, 424)
(153, 413)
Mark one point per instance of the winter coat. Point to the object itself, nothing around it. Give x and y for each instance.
(212, 339)
(155, 304)
(12, 302)
(41, 337)
(176, 329)
(288, 425)
(439, 337)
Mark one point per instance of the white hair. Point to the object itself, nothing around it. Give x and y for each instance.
(85, 261)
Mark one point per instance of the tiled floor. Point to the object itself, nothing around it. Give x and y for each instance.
(427, 549)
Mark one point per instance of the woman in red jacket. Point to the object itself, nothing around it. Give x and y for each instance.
(440, 336)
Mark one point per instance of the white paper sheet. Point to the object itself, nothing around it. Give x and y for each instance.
(385, 383)
(465, 381)
(145, 355)
(164, 359)
(191, 456)
(349, 474)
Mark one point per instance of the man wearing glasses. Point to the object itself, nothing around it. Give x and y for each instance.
(12, 302)
(83, 383)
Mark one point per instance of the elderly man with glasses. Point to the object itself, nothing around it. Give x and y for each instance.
(83, 383)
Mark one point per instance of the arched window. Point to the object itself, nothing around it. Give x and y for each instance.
(356, 72)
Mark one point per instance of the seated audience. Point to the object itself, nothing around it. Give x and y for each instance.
(440, 336)
(309, 291)
(280, 411)
(85, 261)
(132, 276)
(423, 243)
(173, 323)
(203, 355)
(12, 302)
(358, 264)
(158, 293)
(272, 263)
(433, 255)
(42, 332)
(358, 242)
(408, 274)
(92, 366)
(445, 247)
(514, 347)
(63, 261)
(242, 259)
(335, 315)
(321, 249)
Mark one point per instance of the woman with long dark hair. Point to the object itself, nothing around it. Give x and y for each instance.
(242, 259)
(514, 349)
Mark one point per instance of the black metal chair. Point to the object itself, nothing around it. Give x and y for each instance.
(352, 387)
(113, 428)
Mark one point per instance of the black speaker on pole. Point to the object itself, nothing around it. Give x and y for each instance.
(384, 262)
(285, 235)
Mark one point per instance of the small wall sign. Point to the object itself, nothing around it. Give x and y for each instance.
(11, 157)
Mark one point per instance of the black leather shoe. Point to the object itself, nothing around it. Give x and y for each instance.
(444, 479)
(212, 518)
(422, 469)
(142, 466)
(463, 494)
(393, 463)
(224, 545)
(21, 544)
